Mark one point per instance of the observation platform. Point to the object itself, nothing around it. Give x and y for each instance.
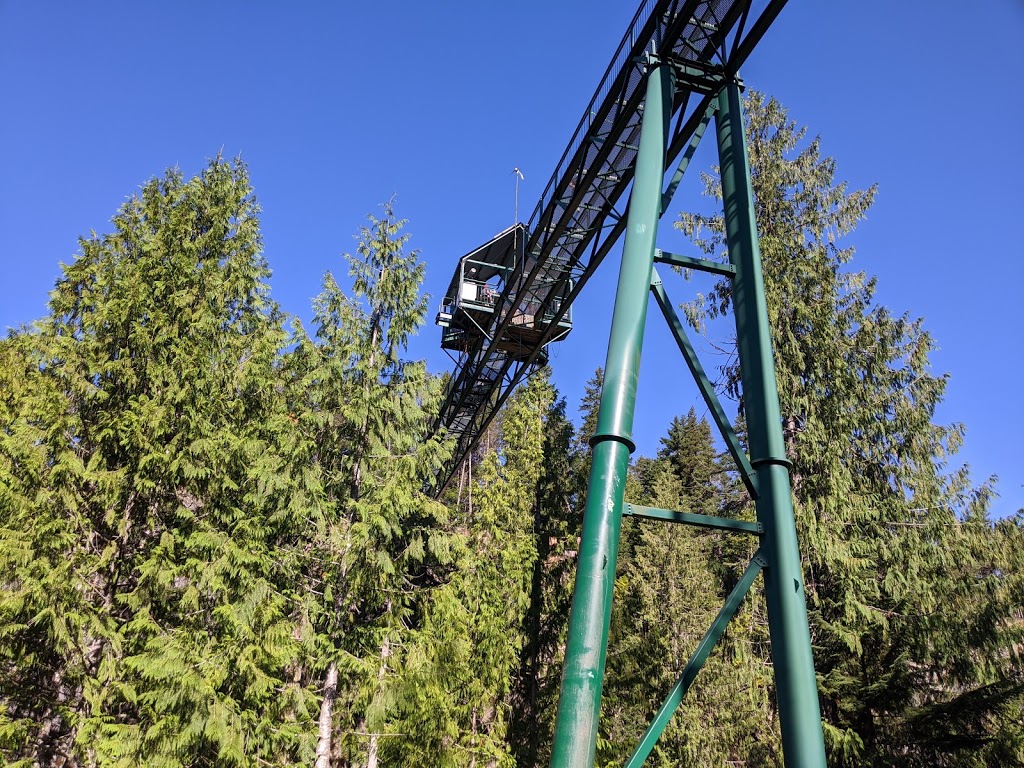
(483, 279)
(498, 321)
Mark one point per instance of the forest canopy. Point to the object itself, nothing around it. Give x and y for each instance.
(217, 546)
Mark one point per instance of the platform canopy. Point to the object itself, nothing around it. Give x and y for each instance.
(495, 258)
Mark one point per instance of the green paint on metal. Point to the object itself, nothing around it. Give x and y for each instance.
(684, 161)
(799, 712)
(586, 646)
(692, 518)
(702, 78)
(707, 389)
(693, 666)
(689, 262)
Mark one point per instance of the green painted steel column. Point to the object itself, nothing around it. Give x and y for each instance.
(579, 701)
(799, 713)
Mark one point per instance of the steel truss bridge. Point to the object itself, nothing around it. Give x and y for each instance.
(674, 72)
(581, 215)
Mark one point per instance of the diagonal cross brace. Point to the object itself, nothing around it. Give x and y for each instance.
(684, 162)
(696, 662)
(704, 383)
(692, 518)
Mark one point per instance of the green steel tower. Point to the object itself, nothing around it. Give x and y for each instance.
(766, 471)
(675, 71)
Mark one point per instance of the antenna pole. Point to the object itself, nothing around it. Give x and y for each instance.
(519, 175)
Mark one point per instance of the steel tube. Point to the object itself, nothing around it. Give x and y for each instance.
(586, 647)
(796, 687)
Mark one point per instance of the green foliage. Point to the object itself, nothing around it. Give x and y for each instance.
(378, 544)
(670, 584)
(217, 548)
(560, 494)
(691, 455)
(888, 536)
(147, 615)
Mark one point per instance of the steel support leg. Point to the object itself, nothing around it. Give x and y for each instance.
(579, 701)
(799, 714)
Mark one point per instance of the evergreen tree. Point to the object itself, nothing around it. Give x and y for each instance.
(670, 584)
(556, 520)
(378, 541)
(887, 534)
(589, 407)
(146, 612)
(688, 449)
(217, 548)
(457, 699)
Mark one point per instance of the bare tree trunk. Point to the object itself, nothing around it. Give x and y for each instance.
(323, 745)
(374, 748)
(371, 755)
(472, 743)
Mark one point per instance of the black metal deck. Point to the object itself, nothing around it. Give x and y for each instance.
(578, 218)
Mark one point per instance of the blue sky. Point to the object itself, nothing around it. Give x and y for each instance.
(338, 106)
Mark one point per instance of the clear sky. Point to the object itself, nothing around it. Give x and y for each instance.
(338, 106)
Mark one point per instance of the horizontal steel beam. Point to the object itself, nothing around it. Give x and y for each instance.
(692, 518)
(689, 262)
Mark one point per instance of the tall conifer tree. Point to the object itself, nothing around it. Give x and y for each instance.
(456, 698)
(556, 521)
(887, 533)
(146, 605)
(378, 538)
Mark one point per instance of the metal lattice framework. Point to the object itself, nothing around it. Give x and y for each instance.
(673, 73)
(578, 218)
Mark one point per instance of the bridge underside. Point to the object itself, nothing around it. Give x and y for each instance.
(578, 217)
